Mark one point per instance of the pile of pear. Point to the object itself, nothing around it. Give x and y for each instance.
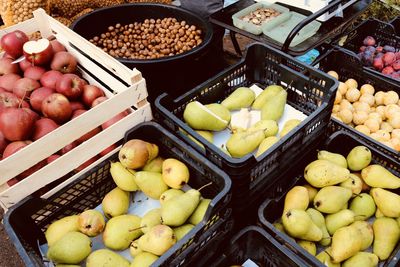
(348, 208)
(139, 168)
(247, 136)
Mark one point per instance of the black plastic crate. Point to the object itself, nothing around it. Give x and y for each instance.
(255, 244)
(309, 90)
(396, 23)
(27, 221)
(384, 34)
(347, 66)
(271, 209)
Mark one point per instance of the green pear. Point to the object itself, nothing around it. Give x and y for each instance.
(325, 258)
(309, 246)
(115, 203)
(331, 199)
(154, 165)
(338, 220)
(378, 213)
(270, 127)
(321, 173)
(158, 240)
(177, 210)
(346, 242)
(123, 177)
(266, 144)
(150, 219)
(134, 248)
(273, 108)
(359, 158)
(296, 198)
(298, 224)
(59, 228)
(319, 221)
(144, 259)
(106, 258)
(377, 176)
(91, 222)
(386, 236)
(182, 230)
(121, 231)
(367, 233)
(362, 259)
(72, 248)
(200, 117)
(333, 157)
(170, 193)
(175, 173)
(151, 183)
(354, 183)
(363, 206)
(312, 192)
(289, 126)
(242, 97)
(220, 111)
(265, 95)
(242, 143)
(198, 214)
(387, 202)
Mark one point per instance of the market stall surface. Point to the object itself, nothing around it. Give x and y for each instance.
(8, 255)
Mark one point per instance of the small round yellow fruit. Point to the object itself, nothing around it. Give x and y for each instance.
(334, 74)
(353, 94)
(391, 110)
(361, 106)
(335, 109)
(359, 117)
(376, 116)
(390, 97)
(345, 104)
(379, 98)
(367, 89)
(338, 98)
(372, 124)
(386, 126)
(346, 115)
(395, 121)
(342, 88)
(396, 133)
(351, 83)
(367, 98)
(384, 135)
(362, 128)
(395, 143)
(381, 111)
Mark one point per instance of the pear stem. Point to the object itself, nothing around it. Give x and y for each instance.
(134, 229)
(329, 254)
(204, 186)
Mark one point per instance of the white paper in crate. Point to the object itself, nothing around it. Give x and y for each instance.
(140, 205)
(221, 137)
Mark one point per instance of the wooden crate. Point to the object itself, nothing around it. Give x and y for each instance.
(125, 88)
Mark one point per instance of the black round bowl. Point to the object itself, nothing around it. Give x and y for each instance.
(172, 74)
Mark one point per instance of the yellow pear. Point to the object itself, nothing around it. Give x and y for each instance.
(325, 258)
(151, 183)
(198, 214)
(338, 220)
(115, 203)
(298, 224)
(332, 199)
(346, 242)
(367, 233)
(106, 258)
(359, 158)
(220, 111)
(144, 259)
(362, 259)
(120, 231)
(270, 127)
(134, 248)
(279, 226)
(309, 246)
(157, 240)
(363, 206)
(387, 202)
(123, 177)
(321, 173)
(199, 117)
(135, 153)
(266, 144)
(296, 198)
(182, 230)
(242, 97)
(150, 219)
(175, 173)
(59, 228)
(319, 221)
(333, 157)
(377, 176)
(242, 143)
(154, 165)
(312, 192)
(265, 95)
(354, 183)
(386, 236)
(273, 108)
(71, 248)
(170, 193)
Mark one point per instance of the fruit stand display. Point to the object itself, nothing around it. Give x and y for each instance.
(120, 94)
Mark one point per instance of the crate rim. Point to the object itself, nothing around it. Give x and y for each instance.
(243, 160)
